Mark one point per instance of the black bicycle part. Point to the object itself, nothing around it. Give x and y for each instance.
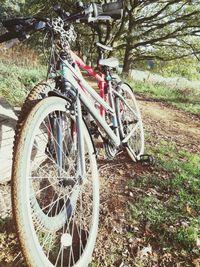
(79, 5)
(147, 159)
(8, 36)
(61, 12)
(114, 10)
(20, 27)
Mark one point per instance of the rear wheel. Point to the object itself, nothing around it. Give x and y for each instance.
(56, 208)
(130, 122)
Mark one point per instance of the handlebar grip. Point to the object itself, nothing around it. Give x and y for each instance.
(114, 10)
(8, 36)
(112, 6)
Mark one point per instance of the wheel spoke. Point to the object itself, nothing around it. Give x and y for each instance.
(60, 220)
(131, 122)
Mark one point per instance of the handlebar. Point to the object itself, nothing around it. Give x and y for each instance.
(8, 36)
(20, 27)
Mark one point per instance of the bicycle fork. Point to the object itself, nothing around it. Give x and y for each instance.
(77, 139)
(115, 124)
(80, 137)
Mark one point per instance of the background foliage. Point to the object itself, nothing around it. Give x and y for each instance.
(150, 34)
(162, 36)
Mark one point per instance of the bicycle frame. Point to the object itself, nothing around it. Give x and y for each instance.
(74, 76)
(86, 94)
(103, 105)
(100, 78)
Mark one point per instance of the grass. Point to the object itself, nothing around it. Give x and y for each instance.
(185, 99)
(20, 70)
(16, 81)
(165, 209)
(168, 203)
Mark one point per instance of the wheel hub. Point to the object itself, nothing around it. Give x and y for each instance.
(66, 240)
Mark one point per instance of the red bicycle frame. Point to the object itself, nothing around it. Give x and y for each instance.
(99, 77)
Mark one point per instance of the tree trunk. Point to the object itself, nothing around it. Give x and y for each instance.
(127, 60)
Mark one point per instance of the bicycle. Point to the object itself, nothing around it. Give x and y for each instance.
(55, 185)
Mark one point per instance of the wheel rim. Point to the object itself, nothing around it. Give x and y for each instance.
(132, 123)
(61, 210)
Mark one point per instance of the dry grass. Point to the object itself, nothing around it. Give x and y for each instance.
(19, 55)
(20, 70)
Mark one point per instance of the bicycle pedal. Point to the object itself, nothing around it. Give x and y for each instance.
(147, 159)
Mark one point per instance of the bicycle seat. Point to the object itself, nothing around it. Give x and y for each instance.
(104, 47)
(109, 62)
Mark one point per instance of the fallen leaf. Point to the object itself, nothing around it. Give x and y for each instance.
(196, 262)
(191, 211)
(145, 251)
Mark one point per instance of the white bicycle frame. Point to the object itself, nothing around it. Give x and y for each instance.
(87, 97)
(74, 76)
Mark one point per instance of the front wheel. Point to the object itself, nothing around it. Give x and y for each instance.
(130, 121)
(56, 206)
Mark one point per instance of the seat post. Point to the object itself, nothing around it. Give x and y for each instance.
(102, 54)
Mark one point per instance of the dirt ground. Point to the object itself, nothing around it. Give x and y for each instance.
(160, 121)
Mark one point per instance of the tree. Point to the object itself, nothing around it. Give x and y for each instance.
(149, 26)
(153, 29)
(10, 7)
(149, 29)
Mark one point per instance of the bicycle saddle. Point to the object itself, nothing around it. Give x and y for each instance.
(104, 47)
(109, 62)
